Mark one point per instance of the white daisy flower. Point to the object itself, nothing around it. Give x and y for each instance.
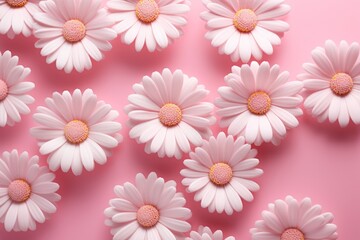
(293, 220)
(334, 83)
(166, 113)
(150, 209)
(154, 23)
(71, 32)
(76, 130)
(205, 233)
(219, 173)
(16, 17)
(242, 28)
(259, 103)
(27, 192)
(14, 100)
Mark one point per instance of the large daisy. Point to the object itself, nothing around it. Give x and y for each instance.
(27, 191)
(166, 113)
(334, 81)
(14, 100)
(259, 103)
(220, 173)
(16, 16)
(76, 130)
(151, 209)
(243, 28)
(293, 220)
(154, 23)
(205, 233)
(71, 32)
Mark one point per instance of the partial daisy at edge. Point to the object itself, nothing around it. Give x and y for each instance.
(76, 131)
(167, 113)
(333, 81)
(205, 233)
(153, 24)
(245, 29)
(73, 33)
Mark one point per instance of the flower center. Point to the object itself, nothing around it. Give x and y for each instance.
(3, 90)
(341, 84)
(220, 174)
(147, 216)
(19, 191)
(147, 11)
(259, 103)
(74, 31)
(170, 115)
(16, 3)
(292, 234)
(245, 20)
(76, 131)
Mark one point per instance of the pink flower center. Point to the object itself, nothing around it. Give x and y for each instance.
(74, 31)
(292, 234)
(76, 132)
(147, 11)
(170, 115)
(148, 216)
(3, 90)
(220, 174)
(19, 191)
(245, 20)
(341, 84)
(259, 103)
(16, 3)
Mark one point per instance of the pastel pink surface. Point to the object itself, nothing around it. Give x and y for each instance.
(320, 161)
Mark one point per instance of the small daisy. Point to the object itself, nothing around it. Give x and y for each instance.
(259, 103)
(219, 172)
(151, 209)
(154, 23)
(334, 80)
(293, 220)
(27, 192)
(166, 113)
(71, 32)
(243, 28)
(13, 90)
(76, 130)
(16, 16)
(205, 233)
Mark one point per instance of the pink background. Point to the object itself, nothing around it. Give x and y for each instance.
(316, 160)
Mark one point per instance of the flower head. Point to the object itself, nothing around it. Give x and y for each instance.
(205, 233)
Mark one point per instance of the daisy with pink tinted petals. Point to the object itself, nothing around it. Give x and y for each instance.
(259, 103)
(27, 192)
(205, 233)
(147, 210)
(245, 29)
(154, 23)
(73, 32)
(293, 220)
(76, 131)
(334, 82)
(166, 113)
(220, 172)
(14, 100)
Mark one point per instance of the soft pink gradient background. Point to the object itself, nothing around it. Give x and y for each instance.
(316, 160)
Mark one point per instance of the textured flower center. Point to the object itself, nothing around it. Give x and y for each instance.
(147, 11)
(259, 103)
(19, 191)
(245, 20)
(74, 31)
(148, 216)
(170, 115)
(292, 234)
(220, 174)
(3, 90)
(341, 84)
(76, 131)
(16, 3)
